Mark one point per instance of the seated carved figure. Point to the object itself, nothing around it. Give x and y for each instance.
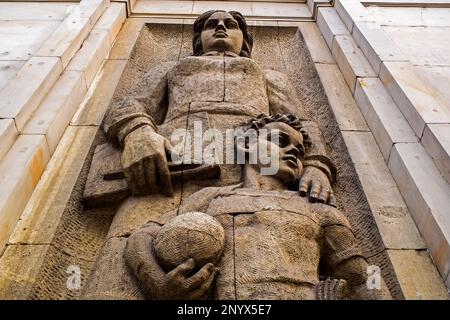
(278, 245)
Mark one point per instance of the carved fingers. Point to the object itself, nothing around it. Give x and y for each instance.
(144, 160)
(183, 285)
(315, 184)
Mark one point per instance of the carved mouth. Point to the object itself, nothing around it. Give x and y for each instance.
(220, 34)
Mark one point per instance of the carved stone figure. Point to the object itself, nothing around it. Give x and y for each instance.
(221, 87)
(278, 245)
(219, 84)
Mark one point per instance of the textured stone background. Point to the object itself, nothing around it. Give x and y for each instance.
(81, 232)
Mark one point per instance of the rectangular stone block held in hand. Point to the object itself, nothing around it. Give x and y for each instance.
(347, 113)
(397, 228)
(351, 60)
(419, 103)
(330, 24)
(436, 140)
(387, 123)
(426, 193)
(112, 20)
(90, 57)
(417, 275)
(55, 112)
(8, 134)
(376, 44)
(315, 43)
(20, 171)
(33, 82)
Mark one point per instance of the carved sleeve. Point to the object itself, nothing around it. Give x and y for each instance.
(283, 99)
(343, 259)
(147, 105)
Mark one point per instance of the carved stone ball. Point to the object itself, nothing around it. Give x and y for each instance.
(193, 235)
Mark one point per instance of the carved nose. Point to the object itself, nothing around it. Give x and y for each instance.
(221, 26)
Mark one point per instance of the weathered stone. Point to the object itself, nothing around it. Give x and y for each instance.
(54, 113)
(426, 193)
(126, 39)
(436, 140)
(112, 20)
(8, 70)
(417, 275)
(315, 43)
(341, 100)
(387, 123)
(330, 24)
(418, 102)
(96, 101)
(351, 60)
(390, 212)
(33, 82)
(20, 171)
(8, 134)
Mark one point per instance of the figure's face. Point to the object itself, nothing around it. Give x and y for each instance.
(221, 33)
(284, 143)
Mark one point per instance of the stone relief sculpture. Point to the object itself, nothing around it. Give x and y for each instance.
(260, 237)
(274, 245)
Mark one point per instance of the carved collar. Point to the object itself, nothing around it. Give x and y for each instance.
(218, 53)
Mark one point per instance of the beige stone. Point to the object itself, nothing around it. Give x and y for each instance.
(20, 40)
(92, 10)
(351, 60)
(126, 39)
(393, 219)
(41, 216)
(67, 39)
(410, 16)
(315, 43)
(436, 141)
(163, 7)
(243, 7)
(90, 57)
(376, 45)
(33, 82)
(55, 112)
(340, 98)
(8, 70)
(426, 193)
(8, 134)
(19, 267)
(387, 123)
(422, 45)
(417, 275)
(267, 9)
(437, 78)
(96, 102)
(351, 11)
(35, 11)
(419, 103)
(330, 24)
(20, 171)
(112, 20)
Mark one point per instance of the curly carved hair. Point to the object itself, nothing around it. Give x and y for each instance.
(199, 23)
(289, 119)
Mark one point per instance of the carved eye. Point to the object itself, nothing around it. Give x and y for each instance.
(210, 24)
(231, 24)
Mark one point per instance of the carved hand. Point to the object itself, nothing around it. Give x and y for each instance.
(144, 160)
(315, 182)
(180, 285)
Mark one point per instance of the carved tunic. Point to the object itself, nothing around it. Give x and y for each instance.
(221, 90)
(277, 244)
